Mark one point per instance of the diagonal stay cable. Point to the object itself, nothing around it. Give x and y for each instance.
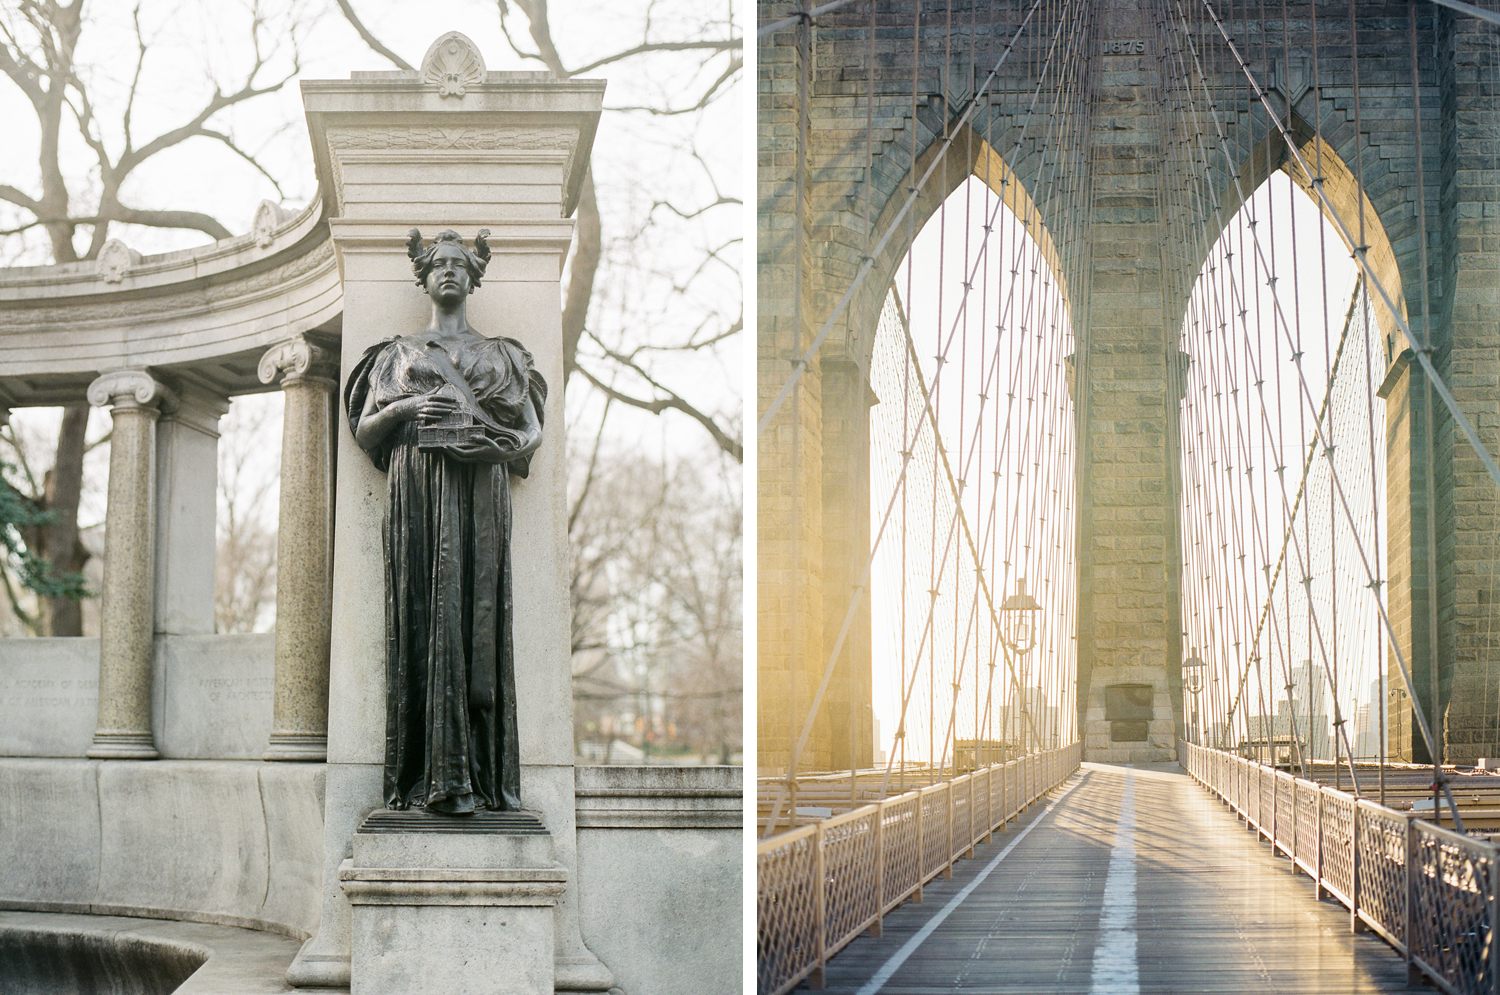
(1312, 454)
(1372, 279)
(1423, 351)
(1306, 390)
(906, 461)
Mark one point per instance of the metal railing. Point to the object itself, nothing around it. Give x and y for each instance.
(820, 886)
(1430, 892)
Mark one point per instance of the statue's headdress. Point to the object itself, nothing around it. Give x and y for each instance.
(475, 260)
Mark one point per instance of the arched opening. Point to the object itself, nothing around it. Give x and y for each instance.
(1284, 519)
(971, 489)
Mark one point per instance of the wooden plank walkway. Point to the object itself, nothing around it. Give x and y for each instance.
(1136, 881)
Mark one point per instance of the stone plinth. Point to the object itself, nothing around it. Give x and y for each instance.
(452, 905)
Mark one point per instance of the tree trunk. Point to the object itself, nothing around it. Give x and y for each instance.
(581, 271)
(59, 538)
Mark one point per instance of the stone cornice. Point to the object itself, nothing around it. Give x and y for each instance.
(227, 260)
(619, 797)
(507, 110)
(202, 315)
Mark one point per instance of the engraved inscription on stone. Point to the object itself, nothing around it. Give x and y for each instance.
(1124, 46)
(44, 693)
(237, 688)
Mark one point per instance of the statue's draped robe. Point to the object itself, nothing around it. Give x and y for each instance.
(450, 740)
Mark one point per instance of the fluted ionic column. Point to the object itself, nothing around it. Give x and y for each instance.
(128, 612)
(304, 549)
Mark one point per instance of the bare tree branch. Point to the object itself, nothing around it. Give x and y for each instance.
(229, 143)
(189, 220)
(690, 215)
(724, 45)
(22, 71)
(735, 65)
(14, 196)
(672, 401)
(505, 30)
(370, 39)
(135, 79)
(588, 477)
(194, 128)
(693, 343)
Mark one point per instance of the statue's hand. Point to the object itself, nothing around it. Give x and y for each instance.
(480, 450)
(430, 408)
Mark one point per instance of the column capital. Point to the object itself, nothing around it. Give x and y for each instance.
(131, 389)
(296, 358)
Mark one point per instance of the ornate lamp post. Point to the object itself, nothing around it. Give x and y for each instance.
(1192, 682)
(1018, 620)
(1018, 625)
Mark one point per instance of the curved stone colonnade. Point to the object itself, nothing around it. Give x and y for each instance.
(164, 341)
(156, 809)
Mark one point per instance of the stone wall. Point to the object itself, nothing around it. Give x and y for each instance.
(660, 870)
(211, 696)
(231, 842)
(241, 844)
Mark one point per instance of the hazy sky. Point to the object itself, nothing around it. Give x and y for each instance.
(646, 292)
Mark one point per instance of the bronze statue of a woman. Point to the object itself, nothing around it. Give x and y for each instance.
(449, 414)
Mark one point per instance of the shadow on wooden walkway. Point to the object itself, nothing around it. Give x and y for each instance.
(1129, 880)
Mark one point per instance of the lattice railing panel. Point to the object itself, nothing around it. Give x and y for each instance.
(903, 865)
(786, 910)
(851, 874)
(872, 859)
(1381, 834)
(1266, 799)
(1284, 823)
(1338, 843)
(935, 852)
(1452, 900)
(1449, 881)
(1305, 812)
(962, 806)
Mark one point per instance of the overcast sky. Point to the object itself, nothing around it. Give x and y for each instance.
(639, 159)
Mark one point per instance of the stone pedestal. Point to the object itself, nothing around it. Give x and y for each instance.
(304, 548)
(128, 611)
(464, 149)
(452, 906)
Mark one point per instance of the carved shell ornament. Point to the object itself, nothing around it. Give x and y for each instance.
(114, 259)
(453, 64)
(268, 217)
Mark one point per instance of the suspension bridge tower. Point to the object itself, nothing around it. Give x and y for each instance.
(1127, 135)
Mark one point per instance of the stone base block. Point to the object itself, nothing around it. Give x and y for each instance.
(1123, 753)
(440, 909)
(296, 748)
(122, 746)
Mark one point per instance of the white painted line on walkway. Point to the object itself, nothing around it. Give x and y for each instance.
(908, 948)
(1116, 971)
